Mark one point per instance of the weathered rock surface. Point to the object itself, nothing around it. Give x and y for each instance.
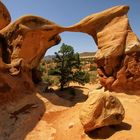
(23, 44)
(101, 109)
(28, 38)
(19, 117)
(4, 16)
(25, 41)
(118, 48)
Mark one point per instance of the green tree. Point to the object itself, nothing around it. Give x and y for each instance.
(68, 67)
(41, 67)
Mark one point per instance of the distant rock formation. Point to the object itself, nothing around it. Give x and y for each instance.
(25, 41)
(101, 109)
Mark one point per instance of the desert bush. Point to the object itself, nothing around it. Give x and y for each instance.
(42, 68)
(47, 80)
(93, 68)
(93, 76)
(52, 71)
(55, 80)
(81, 77)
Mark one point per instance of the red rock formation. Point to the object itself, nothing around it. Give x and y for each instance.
(23, 44)
(101, 109)
(5, 18)
(25, 41)
(118, 56)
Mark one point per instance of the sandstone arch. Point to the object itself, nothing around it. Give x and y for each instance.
(28, 38)
(118, 48)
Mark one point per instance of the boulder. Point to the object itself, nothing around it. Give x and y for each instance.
(101, 109)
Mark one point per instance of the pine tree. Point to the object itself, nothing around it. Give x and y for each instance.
(68, 67)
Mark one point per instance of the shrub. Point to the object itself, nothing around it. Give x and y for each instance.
(93, 68)
(81, 77)
(93, 77)
(47, 80)
(42, 68)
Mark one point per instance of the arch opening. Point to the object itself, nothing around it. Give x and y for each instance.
(81, 42)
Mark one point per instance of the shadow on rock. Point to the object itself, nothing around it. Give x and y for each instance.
(108, 131)
(19, 117)
(68, 97)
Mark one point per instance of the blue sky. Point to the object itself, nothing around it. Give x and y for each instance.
(68, 12)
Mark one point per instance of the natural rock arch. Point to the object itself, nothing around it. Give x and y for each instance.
(28, 38)
(117, 57)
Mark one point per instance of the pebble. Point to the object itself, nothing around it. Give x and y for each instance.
(71, 125)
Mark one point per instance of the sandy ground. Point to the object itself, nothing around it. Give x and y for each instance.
(61, 118)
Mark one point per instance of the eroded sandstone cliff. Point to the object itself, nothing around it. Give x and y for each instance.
(25, 41)
(118, 56)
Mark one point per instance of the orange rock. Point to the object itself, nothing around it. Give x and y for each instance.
(5, 18)
(101, 109)
(25, 42)
(116, 42)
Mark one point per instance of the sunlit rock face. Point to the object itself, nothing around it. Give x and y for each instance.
(23, 45)
(118, 55)
(101, 109)
(25, 42)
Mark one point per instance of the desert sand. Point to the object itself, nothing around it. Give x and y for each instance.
(61, 118)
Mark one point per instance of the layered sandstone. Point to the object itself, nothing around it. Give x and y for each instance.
(25, 42)
(118, 56)
(101, 109)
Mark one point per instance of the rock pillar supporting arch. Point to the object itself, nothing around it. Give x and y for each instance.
(118, 55)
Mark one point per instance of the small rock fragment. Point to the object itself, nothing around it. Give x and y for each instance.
(71, 125)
